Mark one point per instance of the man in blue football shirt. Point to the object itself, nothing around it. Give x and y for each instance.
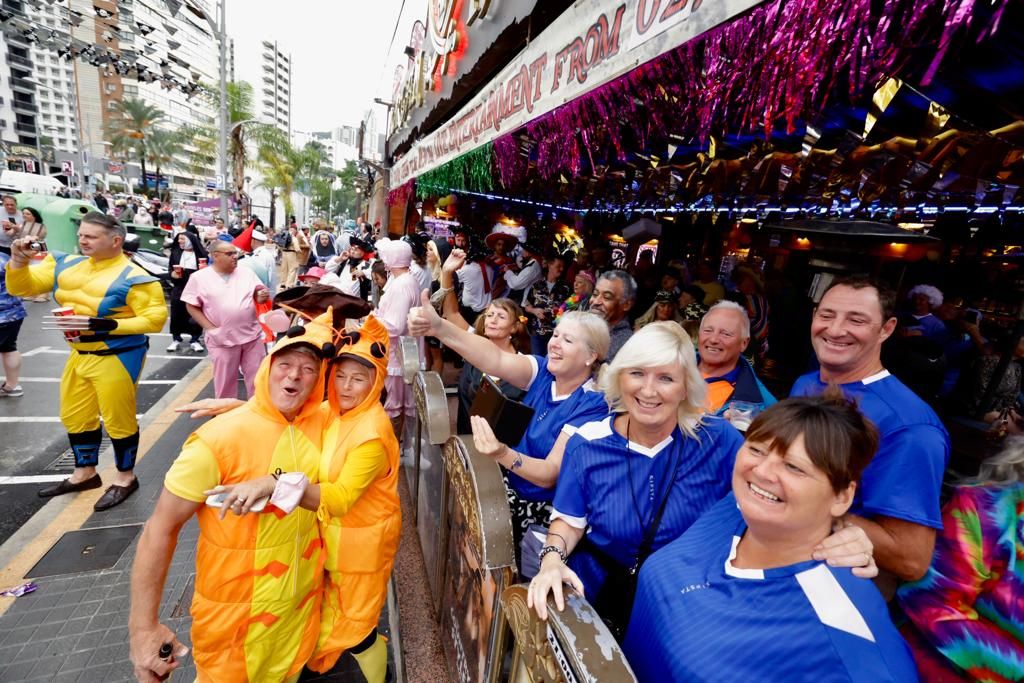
(897, 503)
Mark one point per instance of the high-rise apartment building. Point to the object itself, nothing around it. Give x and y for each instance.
(20, 124)
(181, 46)
(268, 69)
(55, 84)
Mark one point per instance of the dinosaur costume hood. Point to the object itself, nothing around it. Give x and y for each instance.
(369, 346)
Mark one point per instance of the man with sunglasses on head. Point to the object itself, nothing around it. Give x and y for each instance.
(222, 299)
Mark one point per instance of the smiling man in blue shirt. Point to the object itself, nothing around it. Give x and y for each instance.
(897, 503)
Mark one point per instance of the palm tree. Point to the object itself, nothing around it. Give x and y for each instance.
(163, 147)
(276, 159)
(243, 129)
(129, 133)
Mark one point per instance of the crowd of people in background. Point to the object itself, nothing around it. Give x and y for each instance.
(663, 472)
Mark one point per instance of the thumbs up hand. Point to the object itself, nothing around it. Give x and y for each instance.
(423, 319)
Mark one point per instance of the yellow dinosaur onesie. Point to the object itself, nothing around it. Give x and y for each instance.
(360, 517)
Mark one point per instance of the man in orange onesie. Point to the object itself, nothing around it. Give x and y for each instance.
(259, 577)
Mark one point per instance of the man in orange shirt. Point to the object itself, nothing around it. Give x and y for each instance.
(723, 335)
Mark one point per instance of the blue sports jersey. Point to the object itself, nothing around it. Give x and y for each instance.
(551, 415)
(698, 618)
(595, 488)
(904, 478)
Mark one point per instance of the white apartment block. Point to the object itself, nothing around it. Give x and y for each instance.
(182, 46)
(55, 77)
(267, 67)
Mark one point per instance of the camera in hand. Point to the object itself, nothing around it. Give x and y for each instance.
(37, 245)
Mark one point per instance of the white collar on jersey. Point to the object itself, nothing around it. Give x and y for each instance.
(587, 386)
(876, 377)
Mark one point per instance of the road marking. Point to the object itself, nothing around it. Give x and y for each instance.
(65, 352)
(33, 542)
(17, 419)
(34, 479)
(35, 351)
(56, 380)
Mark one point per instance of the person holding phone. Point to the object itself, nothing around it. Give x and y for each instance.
(560, 388)
(10, 223)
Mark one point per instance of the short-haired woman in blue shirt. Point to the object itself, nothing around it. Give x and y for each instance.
(559, 387)
(742, 594)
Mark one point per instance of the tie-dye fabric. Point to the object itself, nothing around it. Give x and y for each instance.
(970, 604)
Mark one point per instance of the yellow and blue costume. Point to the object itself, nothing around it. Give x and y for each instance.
(101, 375)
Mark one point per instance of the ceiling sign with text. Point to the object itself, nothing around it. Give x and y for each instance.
(591, 43)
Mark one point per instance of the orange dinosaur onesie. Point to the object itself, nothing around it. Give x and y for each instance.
(255, 614)
(360, 525)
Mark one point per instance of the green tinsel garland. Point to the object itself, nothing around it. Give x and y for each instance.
(473, 171)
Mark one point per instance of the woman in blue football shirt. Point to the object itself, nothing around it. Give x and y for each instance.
(742, 596)
(560, 388)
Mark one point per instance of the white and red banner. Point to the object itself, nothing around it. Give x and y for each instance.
(590, 44)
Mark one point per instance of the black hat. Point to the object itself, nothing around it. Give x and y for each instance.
(664, 296)
(418, 242)
(361, 243)
(533, 246)
(461, 230)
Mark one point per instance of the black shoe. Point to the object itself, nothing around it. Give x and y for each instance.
(66, 486)
(115, 495)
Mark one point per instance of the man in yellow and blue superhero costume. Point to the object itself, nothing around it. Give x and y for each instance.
(116, 305)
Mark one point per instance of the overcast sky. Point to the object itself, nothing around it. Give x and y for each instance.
(337, 46)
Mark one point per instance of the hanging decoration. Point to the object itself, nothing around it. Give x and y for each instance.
(783, 61)
(472, 171)
(400, 195)
(123, 62)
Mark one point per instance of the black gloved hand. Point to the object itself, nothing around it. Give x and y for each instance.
(102, 324)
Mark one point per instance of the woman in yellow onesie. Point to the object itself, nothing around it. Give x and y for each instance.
(356, 502)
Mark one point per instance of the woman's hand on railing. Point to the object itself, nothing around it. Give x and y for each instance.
(553, 573)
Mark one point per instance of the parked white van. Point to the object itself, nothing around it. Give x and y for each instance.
(17, 181)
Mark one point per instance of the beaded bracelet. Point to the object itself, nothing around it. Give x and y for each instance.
(551, 549)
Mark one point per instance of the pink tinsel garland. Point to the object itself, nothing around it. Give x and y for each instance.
(400, 195)
(783, 59)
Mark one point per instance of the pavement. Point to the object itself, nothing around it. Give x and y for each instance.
(74, 626)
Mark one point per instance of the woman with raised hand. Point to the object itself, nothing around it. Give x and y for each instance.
(560, 388)
(744, 594)
(502, 322)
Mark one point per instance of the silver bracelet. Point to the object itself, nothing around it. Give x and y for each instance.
(518, 462)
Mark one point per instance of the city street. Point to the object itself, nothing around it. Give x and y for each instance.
(34, 448)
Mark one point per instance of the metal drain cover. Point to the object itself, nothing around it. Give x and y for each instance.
(85, 550)
(66, 461)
